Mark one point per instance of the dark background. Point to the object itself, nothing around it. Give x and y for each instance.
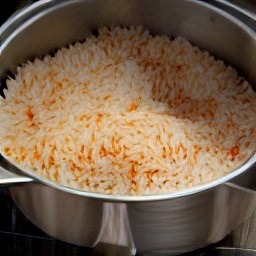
(8, 7)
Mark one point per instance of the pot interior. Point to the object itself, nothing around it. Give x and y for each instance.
(69, 21)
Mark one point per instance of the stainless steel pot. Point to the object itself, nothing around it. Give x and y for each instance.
(163, 224)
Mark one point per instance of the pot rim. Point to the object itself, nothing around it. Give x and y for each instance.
(145, 198)
(13, 25)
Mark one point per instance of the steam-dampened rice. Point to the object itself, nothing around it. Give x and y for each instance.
(128, 113)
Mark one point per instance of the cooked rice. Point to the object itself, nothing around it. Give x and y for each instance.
(128, 113)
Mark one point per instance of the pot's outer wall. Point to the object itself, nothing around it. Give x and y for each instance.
(166, 227)
(64, 216)
(175, 226)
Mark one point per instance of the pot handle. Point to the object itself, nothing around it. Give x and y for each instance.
(8, 178)
(9, 174)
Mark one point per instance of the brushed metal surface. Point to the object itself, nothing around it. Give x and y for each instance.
(175, 226)
(68, 217)
(162, 225)
(168, 227)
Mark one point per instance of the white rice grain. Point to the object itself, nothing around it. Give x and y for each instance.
(128, 113)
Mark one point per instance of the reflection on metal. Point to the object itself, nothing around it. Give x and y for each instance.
(7, 178)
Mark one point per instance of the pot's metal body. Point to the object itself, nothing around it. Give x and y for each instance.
(166, 227)
(169, 224)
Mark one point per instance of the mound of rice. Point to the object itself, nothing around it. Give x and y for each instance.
(128, 113)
